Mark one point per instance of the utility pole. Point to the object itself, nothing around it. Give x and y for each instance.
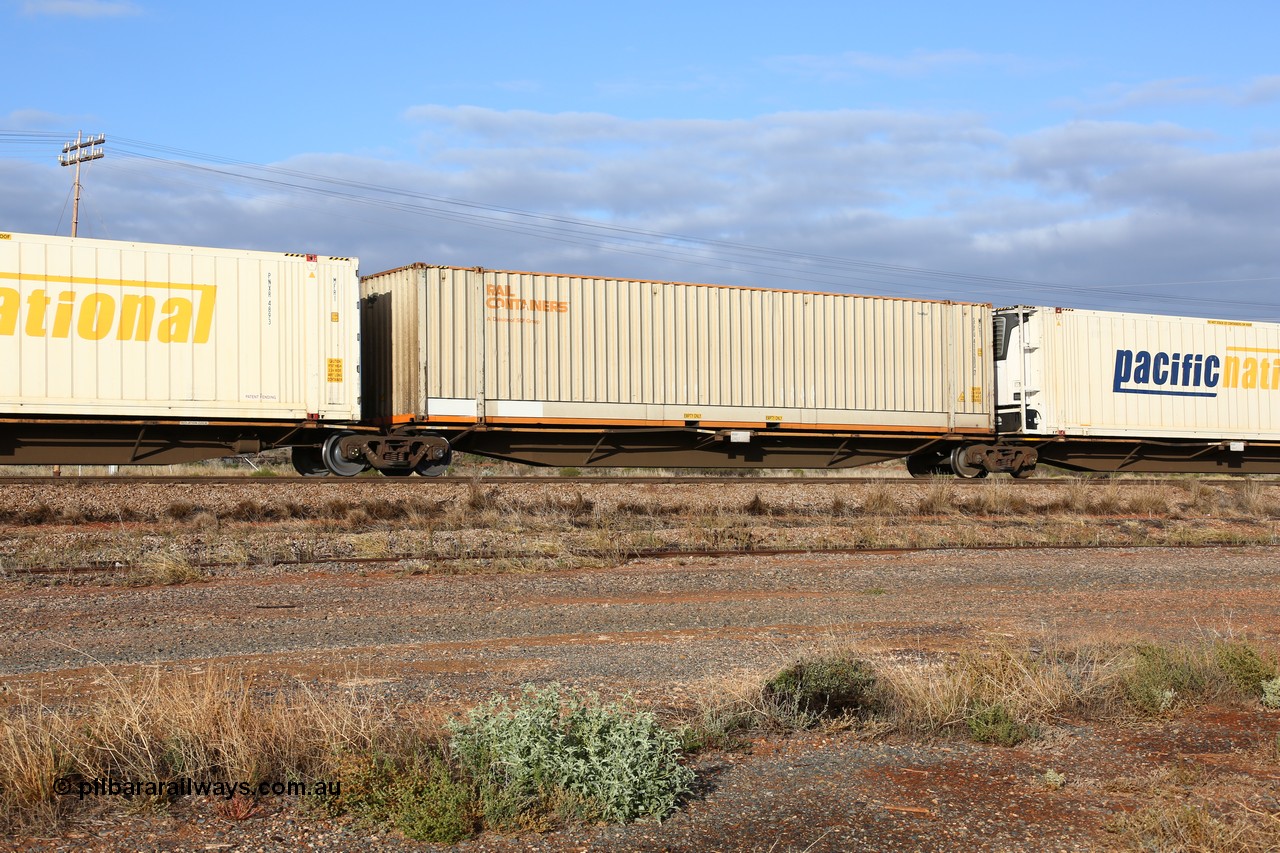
(75, 153)
(81, 151)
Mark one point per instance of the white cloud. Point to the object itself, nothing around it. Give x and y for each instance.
(1179, 91)
(853, 64)
(1262, 90)
(1084, 203)
(81, 8)
(34, 120)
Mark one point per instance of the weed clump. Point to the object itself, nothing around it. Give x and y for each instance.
(419, 795)
(163, 569)
(181, 510)
(995, 723)
(1244, 667)
(880, 500)
(549, 757)
(823, 686)
(1271, 699)
(1159, 678)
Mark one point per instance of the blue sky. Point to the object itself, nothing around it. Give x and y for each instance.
(1085, 154)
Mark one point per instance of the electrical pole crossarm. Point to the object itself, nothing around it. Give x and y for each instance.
(75, 153)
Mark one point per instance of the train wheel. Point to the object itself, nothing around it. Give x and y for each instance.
(308, 461)
(335, 461)
(962, 468)
(1023, 473)
(436, 467)
(926, 465)
(918, 468)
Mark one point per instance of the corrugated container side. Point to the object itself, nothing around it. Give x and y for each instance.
(1104, 373)
(525, 347)
(107, 328)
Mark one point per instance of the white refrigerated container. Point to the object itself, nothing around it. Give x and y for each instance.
(1074, 373)
(111, 329)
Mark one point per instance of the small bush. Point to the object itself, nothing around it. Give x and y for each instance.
(420, 797)
(1159, 678)
(1243, 666)
(181, 510)
(996, 724)
(549, 756)
(41, 514)
(254, 511)
(1271, 698)
(1053, 780)
(823, 686)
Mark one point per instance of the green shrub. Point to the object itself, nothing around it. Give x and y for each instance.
(1271, 697)
(1243, 666)
(419, 797)
(995, 724)
(823, 686)
(547, 755)
(1160, 678)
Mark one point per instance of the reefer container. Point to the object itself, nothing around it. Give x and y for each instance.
(447, 345)
(106, 328)
(1069, 373)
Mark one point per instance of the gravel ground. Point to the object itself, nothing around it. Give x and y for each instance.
(673, 632)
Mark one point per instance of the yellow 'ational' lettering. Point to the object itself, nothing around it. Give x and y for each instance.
(106, 308)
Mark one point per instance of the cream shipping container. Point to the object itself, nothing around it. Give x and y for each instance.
(569, 370)
(161, 353)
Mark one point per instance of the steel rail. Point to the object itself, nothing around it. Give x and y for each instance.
(614, 479)
(626, 556)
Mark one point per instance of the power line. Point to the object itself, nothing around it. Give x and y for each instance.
(822, 269)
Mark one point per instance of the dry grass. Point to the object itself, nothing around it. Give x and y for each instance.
(1035, 686)
(1007, 691)
(882, 499)
(209, 725)
(998, 497)
(606, 527)
(1188, 810)
(162, 568)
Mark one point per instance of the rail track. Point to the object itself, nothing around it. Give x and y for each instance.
(338, 482)
(629, 555)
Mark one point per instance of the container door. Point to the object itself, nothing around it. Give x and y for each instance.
(1017, 348)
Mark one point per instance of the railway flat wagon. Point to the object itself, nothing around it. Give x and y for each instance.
(131, 353)
(1104, 391)
(579, 371)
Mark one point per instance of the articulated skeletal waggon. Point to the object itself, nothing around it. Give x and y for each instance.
(128, 353)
